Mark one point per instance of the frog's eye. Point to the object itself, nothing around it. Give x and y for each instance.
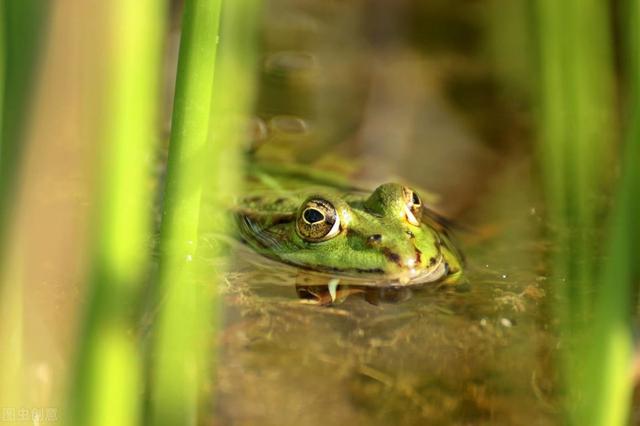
(413, 204)
(318, 221)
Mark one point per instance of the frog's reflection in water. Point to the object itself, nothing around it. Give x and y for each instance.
(328, 295)
(334, 294)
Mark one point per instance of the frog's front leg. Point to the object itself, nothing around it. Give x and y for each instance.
(455, 274)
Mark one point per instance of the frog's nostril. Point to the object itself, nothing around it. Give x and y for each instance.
(375, 239)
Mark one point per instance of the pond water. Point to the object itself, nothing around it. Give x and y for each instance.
(478, 354)
(481, 353)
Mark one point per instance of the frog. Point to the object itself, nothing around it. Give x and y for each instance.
(385, 237)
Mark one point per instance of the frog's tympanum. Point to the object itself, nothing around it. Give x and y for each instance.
(387, 237)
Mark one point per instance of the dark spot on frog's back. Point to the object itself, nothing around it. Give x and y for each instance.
(280, 200)
(393, 257)
(418, 256)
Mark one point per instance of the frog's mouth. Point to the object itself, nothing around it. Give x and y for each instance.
(436, 272)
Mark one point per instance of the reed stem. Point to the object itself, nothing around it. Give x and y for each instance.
(108, 381)
(210, 119)
(608, 396)
(180, 346)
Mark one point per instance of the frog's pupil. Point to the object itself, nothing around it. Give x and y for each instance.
(416, 199)
(313, 216)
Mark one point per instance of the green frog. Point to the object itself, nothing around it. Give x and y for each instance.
(386, 237)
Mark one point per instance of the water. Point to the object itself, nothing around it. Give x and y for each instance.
(480, 354)
(477, 354)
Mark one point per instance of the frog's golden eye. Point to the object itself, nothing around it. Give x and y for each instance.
(318, 221)
(413, 204)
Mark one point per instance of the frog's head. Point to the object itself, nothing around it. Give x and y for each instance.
(385, 233)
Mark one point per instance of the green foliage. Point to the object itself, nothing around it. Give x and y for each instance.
(204, 163)
(22, 26)
(108, 374)
(577, 133)
(608, 395)
(578, 140)
(180, 347)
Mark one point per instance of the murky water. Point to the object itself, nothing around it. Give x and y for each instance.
(482, 353)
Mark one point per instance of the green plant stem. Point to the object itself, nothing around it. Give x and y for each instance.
(577, 132)
(179, 341)
(3, 72)
(107, 388)
(577, 137)
(22, 25)
(202, 177)
(611, 340)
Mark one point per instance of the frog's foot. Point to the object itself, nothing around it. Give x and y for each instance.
(455, 278)
(322, 295)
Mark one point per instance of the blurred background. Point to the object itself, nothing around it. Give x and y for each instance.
(128, 129)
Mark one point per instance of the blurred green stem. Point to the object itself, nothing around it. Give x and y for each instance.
(108, 376)
(209, 125)
(577, 138)
(21, 27)
(577, 132)
(182, 327)
(3, 73)
(22, 24)
(611, 339)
